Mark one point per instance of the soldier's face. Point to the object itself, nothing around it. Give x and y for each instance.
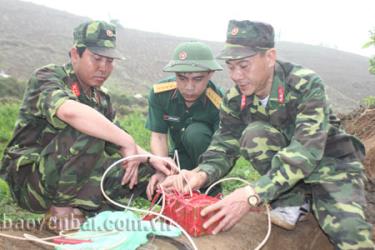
(253, 75)
(192, 85)
(91, 69)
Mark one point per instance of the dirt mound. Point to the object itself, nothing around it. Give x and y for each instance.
(361, 123)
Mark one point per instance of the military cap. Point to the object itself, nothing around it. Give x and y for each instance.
(192, 57)
(99, 37)
(246, 38)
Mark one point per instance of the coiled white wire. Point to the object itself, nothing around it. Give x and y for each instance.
(137, 209)
(43, 240)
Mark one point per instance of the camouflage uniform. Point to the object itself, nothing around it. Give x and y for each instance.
(48, 162)
(295, 142)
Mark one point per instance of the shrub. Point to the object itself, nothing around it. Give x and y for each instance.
(368, 102)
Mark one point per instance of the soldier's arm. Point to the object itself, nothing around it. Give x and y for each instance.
(89, 121)
(223, 151)
(301, 156)
(220, 156)
(216, 162)
(159, 144)
(156, 124)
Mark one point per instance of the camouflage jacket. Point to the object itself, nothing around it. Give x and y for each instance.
(37, 123)
(298, 108)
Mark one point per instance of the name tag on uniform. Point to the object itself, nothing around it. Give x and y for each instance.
(171, 118)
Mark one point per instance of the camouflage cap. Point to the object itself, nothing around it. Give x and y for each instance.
(192, 57)
(99, 37)
(246, 38)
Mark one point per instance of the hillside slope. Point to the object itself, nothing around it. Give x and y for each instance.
(33, 36)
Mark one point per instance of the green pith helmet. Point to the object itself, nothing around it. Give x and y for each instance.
(192, 57)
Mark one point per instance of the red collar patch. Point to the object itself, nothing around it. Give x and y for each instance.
(281, 94)
(243, 102)
(75, 89)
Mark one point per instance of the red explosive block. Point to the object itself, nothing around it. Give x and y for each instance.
(185, 209)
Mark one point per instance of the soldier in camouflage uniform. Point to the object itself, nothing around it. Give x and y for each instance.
(278, 118)
(65, 132)
(185, 107)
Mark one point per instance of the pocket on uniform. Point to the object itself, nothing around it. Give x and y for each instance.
(22, 157)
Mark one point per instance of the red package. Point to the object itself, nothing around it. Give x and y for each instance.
(185, 210)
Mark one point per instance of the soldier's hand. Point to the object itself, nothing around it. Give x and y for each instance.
(155, 180)
(131, 173)
(185, 181)
(230, 210)
(130, 167)
(167, 166)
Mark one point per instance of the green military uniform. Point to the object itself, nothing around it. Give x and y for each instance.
(294, 142)
(48, 162)
(190, 129)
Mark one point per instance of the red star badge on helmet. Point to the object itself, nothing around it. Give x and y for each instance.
(234, 31)
(109, 33)
(182, 55)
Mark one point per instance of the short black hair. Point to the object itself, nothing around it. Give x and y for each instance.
(80, 51)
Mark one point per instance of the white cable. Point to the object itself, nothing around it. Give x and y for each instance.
(152, 208)
(266, 205)
(137, 209)
(36, 239)
(268, 231)
(177, 159)
(183, 175)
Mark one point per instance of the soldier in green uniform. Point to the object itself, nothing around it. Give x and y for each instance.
(278, 118)
(65, 132)
(185, 106)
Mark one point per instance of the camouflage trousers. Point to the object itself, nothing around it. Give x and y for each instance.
(336, 187)
(68, 173)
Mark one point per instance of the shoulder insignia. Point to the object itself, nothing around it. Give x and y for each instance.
(214, 97)
(162, 87)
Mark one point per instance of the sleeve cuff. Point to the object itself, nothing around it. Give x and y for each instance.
(111, 148)
(266, 189)
(210, 171)
(53, 119)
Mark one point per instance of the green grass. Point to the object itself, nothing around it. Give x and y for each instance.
(243, 170)
(8, 115)
(369, 101)
(134, 123)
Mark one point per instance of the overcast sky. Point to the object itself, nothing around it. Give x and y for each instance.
(341, 24)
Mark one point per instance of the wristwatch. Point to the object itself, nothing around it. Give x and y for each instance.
(253, 198)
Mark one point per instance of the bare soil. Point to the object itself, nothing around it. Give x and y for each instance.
(245, 235)
(362, 124)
